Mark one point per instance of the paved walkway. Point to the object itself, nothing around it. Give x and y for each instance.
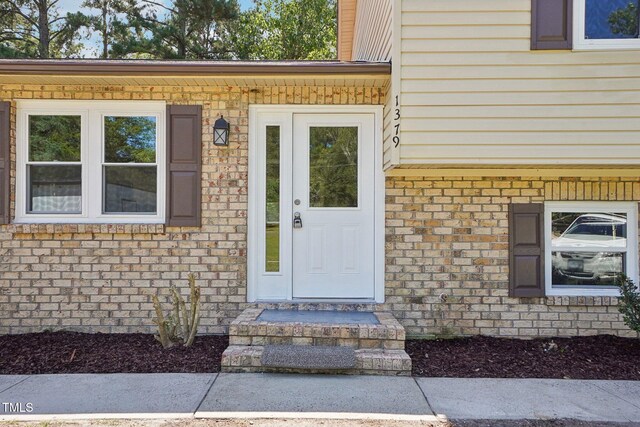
(145, 396)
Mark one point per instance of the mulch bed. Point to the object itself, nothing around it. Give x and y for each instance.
(72, 352)
(600, 357)
(603, 357)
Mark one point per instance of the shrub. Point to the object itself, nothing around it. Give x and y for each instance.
(181, 325)
(629, 302)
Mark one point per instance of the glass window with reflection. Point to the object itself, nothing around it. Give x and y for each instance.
(272, 208)
(606, 24)
(90, 161)
(611, 19)
(588, 249)
(129, 165)
(54, 164)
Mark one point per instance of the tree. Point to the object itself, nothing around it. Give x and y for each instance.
(111, 20)
(286, 30)
(37, 29)
(624, 22)
(185, 29)
(8, 22)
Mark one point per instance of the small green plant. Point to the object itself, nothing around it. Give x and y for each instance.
(181, 325)
(629, 302)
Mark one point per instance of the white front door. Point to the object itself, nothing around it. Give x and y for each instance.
(316, 224)
(333, 206)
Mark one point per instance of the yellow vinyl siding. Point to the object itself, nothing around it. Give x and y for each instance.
(474, 93)
(373, 31)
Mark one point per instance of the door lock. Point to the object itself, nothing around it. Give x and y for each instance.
(297, 220)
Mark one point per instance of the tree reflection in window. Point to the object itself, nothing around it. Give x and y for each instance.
(333, 167)
(611, 19)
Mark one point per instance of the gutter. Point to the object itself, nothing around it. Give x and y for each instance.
(84, 67)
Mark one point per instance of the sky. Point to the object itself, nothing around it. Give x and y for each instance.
(91, 44)
(74, 5)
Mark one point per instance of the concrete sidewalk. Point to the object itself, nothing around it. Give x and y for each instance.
(253, 396)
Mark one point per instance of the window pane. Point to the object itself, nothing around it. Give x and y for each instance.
(130, 189)
(586, 268)
(272, 241)
(611, 19)
(588, 248)
(54, 138)
(54, 189)
(580, 229)
(129, 139)
(333, 167)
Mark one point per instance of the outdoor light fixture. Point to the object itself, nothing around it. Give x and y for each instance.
(221, 132)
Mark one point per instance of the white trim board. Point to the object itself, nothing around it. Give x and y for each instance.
(260, 116)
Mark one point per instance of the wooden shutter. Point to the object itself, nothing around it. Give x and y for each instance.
(184, 165)
(551, 24)
(5, 112)
(526, 250)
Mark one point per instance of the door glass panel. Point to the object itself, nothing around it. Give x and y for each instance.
(588, 248)
(272, 180)
(333, 167)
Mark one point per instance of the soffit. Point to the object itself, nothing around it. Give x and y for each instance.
(194, 73)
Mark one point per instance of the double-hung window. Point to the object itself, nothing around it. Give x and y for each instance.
(588, 244)
(606, 24)
(91, 162)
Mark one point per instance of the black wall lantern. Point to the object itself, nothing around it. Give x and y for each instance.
(221, 132)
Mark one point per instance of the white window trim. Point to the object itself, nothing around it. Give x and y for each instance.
(92, 147)
(630, 208)
(581, 43)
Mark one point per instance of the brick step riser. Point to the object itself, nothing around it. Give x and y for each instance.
(317, 341)
(368, 362)
(375, 332)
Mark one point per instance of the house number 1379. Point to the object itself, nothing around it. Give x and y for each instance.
(396, 124)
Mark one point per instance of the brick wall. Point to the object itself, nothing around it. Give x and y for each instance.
(444, 236)
(449, 237)
(100, 277)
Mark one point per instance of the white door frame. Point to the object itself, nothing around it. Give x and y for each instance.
(277, 287)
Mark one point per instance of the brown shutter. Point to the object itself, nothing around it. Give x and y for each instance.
(551, 24)
(184, 165)
(526, 250)
(5, 112)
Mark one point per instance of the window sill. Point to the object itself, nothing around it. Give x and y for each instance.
(85, 228)
(603, 47)
(581, 301)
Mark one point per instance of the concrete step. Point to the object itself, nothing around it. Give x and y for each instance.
(357, 330)
(367, 362)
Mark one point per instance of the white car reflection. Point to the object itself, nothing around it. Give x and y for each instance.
(604, 232)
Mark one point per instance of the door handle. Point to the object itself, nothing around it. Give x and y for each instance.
(297, 220)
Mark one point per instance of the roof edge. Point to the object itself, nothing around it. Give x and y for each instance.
(83, 67)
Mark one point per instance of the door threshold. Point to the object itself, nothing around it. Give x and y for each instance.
(320, 301)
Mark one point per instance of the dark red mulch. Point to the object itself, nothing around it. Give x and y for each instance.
(603, 357)
(72, 352)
